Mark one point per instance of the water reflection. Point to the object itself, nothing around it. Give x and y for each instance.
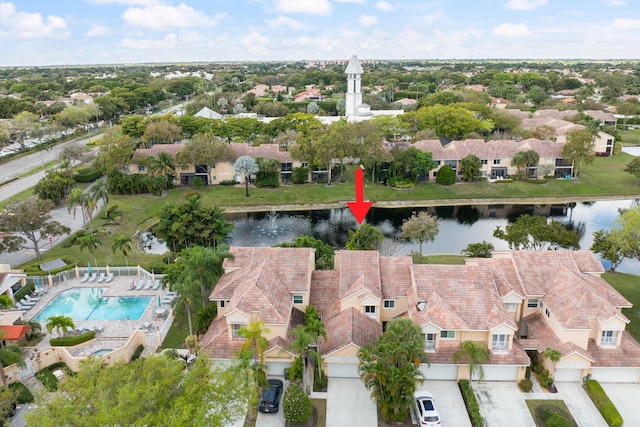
(459, 225)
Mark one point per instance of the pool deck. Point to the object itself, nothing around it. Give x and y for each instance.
(114, 333)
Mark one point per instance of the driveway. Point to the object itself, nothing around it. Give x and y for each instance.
(582, 408)
(448, 402)
(626, 398)
(277, 419)
(502, 404)
(349, 404)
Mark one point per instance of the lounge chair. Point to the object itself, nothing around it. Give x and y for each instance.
(171, 293)
(24, 301)
(109, 278)
(146, 325)
(148, 285)
(156, 285)
(30, 298)
(140, 284)
(93, 277)
(22, 307)
(85, 278)
(98, 328)
(101, 278)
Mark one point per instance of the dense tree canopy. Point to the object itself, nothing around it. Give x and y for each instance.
(578, 149)
(421, 227)
(153, 391)
(389, 367)
(535, 233)
(187, 224)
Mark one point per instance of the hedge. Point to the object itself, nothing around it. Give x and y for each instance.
(25, 290)
(603, 403)
(22, 393)
(473, 409)
(526, 385)
(72, 340)
(87, 175)
(136, 354)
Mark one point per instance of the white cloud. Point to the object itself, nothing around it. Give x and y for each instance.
(169, 41)
(163, 17)
(511, 30)
(350, 1)
(98, 31)
(284, 21)
(614, 3)
(368, 20)
(25, 25)
(310, 7)
(626, 23)
(254, 38)
(127, 2)
(386, 6)
(524, 4)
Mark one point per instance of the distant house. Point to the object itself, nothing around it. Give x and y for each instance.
(500, 103)
(604, 118)
(212, 174)
(309, 95)
(517, 303)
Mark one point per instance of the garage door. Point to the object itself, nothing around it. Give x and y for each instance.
(616, 375)
(439, 372)
(342, 370)
(568, 375)
(500, 373)
(277, 368)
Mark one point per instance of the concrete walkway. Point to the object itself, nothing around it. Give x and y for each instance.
(626, 397)
(502, 404)
(579, 403)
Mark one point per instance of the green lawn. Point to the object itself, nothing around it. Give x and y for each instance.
(605, 177)
(629, 286)
(630, 137)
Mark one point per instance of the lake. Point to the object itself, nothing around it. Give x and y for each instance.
(459, 225)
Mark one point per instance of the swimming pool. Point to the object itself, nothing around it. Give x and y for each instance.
(89, 304)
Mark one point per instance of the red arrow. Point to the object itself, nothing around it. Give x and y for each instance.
(359, 208)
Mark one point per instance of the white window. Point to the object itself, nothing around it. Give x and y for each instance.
(370, 310)
(297, 299)
(484, 161)
(547, 312)
(222, 303)
(141, 168)
(448, 335)
(496, 161)
(235, 327)
(499, 343)
(510, 307)
(609, 339)
(389, 303)
(532, 303)
(430, 342)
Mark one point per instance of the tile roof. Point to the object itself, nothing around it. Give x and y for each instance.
(600, 115)
(558, 125)
(349, 327)
(494, 149)
(262, 292)
(324, 286)
(171, 149)
(556, 114)
(267, 151)
(359, 270)
(468, 293)
(395, 276)
(625, 355)
(540, 336)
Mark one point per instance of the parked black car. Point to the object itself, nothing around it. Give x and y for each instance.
(270, 399)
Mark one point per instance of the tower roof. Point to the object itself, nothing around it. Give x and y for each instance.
(354, 66)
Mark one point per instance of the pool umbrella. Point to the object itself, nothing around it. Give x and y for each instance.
(89, 267)
(77, 272)
(159, 302)
(38, 284)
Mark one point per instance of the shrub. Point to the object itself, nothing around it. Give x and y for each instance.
(527, 373)
(86, 175)
(71, 341)
(297, 369)
(473, 409)
(446, 175)
(228, 182)
(557, 420)
(25, 290)
(296, 404)
(503, 181)
(21, 392)
(299, 175)
(399, 183)
(136, 354)
(545, 378)
(48, 380)
(603, 403)
(320, 379)
(526, 385)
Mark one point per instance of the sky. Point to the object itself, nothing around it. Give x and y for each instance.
(76, 32)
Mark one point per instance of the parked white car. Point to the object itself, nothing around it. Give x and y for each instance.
(426, 409)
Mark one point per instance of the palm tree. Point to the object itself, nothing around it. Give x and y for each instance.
(553, 355)
(315, 327)
(9, 354)
(475, 354)
(204, 267)
(163, 166)
(255, 343)
(90, 241)
(122, 243)
(187, 294)
(76, 199)
(60, 323)
(5, 302)
(101, 191)
(90, 206)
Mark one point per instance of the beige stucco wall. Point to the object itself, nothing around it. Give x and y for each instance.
(349, 350)
(387, 314)
(613, 324)
(223, 172)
